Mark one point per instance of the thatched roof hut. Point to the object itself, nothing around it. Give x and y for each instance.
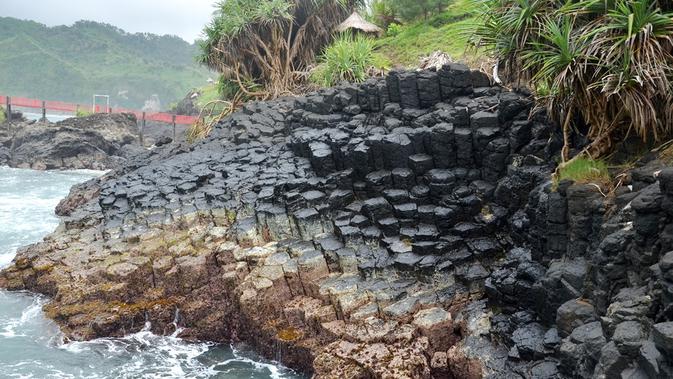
(356, 24)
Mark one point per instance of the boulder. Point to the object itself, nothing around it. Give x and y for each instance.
(662, 336)
(572, 314)
(96, 142)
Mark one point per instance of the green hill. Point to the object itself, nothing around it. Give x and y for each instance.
(70, 63)
(445, 31)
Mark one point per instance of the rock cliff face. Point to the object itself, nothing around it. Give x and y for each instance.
(97, 142)
(403, 228)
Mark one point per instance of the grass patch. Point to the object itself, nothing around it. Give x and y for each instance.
(347, 58)
(206, 95)
(584, 171)
(447, 32)
(2, 115)
(223, 89)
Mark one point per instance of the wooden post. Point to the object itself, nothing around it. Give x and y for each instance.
(142, 131)
(174, 141)
(8, 108)
(44, 111)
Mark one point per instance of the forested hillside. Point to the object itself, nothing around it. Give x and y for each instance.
(71, 63)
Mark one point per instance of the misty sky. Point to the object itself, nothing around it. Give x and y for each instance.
(184, 18)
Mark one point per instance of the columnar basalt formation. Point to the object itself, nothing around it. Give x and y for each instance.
(405, 227)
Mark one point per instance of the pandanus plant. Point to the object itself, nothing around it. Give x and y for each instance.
(606, 63)
(270, 42)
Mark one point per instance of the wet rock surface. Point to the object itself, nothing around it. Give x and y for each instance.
(96, 142)
(402, 228)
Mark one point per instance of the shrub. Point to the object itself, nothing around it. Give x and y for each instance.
(393, 30)
(226, 88)
(347, 58)
(210, 115)
(82, 112)
(213, 106)
(383, 13)
(408, 10)
(205, 95)
(3, 117)
(445, 18)
(609, 61)
(583, 171)
(270, 41)
(665, 152)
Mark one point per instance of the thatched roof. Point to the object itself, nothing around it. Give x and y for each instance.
(356, 22)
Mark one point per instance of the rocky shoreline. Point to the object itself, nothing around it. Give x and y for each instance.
(402, 228)
(96, 142)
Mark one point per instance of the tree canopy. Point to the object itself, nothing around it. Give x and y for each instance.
(388, 11)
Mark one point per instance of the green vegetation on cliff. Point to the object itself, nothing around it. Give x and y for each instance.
(583, 170)
(347, 58)
(282, 58)
(446, 31)
(270, 43)
(607, 65)
(207, 94)
(70, 63)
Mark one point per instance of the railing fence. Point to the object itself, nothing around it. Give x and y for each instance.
(45, 105)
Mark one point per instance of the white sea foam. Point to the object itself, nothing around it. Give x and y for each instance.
(147, 355)
(32, 346)
(6, 259)
(273, 368)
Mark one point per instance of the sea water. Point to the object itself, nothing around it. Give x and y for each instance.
(32, 346)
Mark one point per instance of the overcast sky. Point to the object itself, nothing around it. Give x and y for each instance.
(184, 18)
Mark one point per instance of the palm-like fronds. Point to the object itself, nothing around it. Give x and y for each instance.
(510, 27)
(270, 41)
(609, 60)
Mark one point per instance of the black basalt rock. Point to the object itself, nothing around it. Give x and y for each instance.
(429, 92)
(428, 189)
(408, 84)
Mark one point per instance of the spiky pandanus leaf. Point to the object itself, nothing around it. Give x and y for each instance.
(609, 60)
(634, 46)
(508, 29)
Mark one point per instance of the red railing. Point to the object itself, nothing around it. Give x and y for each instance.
(72, 108)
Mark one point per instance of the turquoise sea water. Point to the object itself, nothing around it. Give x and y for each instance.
(32, 347)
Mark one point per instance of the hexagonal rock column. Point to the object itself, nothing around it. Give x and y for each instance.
(437, 325)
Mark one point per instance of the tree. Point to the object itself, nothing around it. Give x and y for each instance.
(383, 13)
(387, 11)
(270, 42)
(608, 62)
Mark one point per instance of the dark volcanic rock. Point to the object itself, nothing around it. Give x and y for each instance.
(572, 314)
(403, 227)
(98, 142)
